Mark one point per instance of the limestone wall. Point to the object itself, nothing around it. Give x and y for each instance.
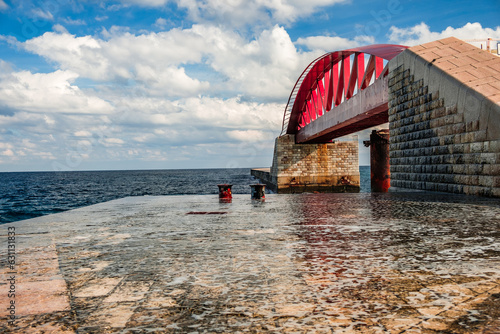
(444, 116)
(311, 167)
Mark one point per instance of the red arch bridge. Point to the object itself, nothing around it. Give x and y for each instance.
(333, 98)
(444, 101)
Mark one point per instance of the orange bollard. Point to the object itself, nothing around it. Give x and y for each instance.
(225, 193)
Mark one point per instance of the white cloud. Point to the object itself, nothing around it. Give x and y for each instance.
(125, 56)
(3, 6)
(266, 66)
(210, 89)
(146, 3)
(229, 129)
(168, 80)
(60, 29)
(243, 12)
(12, 41)
(8, 153)
(47, 93)
(181, 119)
(5, 67)
(83, 133)
(5, 145)
(232, 113)
(179, 90)
(250, 135)
(43, 14)
(48, 120)
(161, 23)
(149, 122)
(77, 54)
(28, 144)
(44, 155)
(237, 13)
(113, 141)
(146, 93)
(421, 33)
(77, 22)
(173, 47)
(333, 43)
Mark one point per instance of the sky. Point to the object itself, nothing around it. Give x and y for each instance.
(160, 84)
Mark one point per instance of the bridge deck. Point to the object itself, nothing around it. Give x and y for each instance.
(366, 109)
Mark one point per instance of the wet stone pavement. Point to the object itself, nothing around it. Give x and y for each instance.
(310, 263)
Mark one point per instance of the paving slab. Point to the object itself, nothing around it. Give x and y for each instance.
(308, 263)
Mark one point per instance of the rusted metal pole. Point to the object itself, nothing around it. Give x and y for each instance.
(379, 161)
(258, 191)
(225, 192)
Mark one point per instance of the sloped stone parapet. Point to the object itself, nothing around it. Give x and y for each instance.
(444, 114)
(264, 175)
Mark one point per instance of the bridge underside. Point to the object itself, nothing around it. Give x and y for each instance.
(365, 110)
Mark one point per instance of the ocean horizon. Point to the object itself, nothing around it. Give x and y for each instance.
(25, 195)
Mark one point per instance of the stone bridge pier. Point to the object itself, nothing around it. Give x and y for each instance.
(296, 168)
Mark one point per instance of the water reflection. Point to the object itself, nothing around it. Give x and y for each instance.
(309, 263)
(397, 260)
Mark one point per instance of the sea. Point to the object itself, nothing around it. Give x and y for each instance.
(25, 195)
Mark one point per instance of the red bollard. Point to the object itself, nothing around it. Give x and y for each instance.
(380, 168)
(225, 193)
(258, 191)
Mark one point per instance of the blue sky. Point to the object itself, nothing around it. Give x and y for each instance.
(146, 84)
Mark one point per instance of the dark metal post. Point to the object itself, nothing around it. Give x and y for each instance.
(258, 191)
(380, 168)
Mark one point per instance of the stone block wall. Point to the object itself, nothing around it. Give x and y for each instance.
(315, 167)
(444, 122)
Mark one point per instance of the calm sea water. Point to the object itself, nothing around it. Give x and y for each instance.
(26, 195)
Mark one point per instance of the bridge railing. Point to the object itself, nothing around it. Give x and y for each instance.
(330, 80)
(293, 95)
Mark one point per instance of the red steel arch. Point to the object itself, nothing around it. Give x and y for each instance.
(330, 79)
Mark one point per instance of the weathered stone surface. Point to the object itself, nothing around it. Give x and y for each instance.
(331, 167)
(448, 122)
(308, 263)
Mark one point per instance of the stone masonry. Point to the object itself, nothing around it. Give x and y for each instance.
(444, 114)
(331, 167)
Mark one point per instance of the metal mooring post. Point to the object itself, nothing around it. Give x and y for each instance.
(225, 193)
(258, 191)
(380, 169)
